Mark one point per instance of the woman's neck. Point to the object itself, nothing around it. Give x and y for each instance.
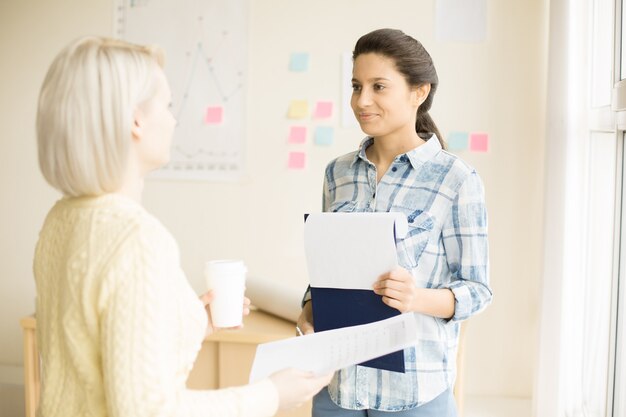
(132, 186)
(132, 190)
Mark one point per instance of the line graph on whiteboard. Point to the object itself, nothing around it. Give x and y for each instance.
(206, 48)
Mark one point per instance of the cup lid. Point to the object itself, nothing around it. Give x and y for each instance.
(233, 266)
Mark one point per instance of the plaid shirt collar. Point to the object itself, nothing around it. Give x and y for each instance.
(417, 156)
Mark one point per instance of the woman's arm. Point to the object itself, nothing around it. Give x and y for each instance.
(305, 320)
(142, 350)
(466, 246)
(464, 235)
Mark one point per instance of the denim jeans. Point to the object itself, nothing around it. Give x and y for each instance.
(441, 406)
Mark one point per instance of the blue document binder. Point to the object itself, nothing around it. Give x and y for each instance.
(334, 308)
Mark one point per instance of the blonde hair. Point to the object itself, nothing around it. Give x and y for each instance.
(86, 111)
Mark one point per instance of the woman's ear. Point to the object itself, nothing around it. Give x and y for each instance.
(137, 126)
(421, 93)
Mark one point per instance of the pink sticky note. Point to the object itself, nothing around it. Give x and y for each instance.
(323, 109)
(479, 142)
(296, 160)
(297, 134)
(213, 115)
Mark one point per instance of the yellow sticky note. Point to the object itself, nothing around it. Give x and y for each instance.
(298, 109)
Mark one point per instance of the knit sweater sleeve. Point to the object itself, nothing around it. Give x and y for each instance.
(144, 308)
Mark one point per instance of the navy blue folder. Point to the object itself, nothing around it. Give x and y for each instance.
(334, 308)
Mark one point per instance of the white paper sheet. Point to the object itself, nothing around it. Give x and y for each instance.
(335, 349)
(351, 250)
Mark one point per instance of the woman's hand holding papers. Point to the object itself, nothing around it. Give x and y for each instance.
(305, 320)
(207, 298)
(295, 387)
(399, 291)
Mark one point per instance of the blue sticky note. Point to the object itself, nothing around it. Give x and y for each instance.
(324, 135)
(299, 62)
(458, 141)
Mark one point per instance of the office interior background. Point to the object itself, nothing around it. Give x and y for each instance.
(530, 98)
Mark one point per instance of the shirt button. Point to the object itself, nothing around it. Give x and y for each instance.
(394, 169)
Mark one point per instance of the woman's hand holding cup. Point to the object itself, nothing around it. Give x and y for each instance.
(225, 302)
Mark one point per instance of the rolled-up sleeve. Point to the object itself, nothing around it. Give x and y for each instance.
(467, 250)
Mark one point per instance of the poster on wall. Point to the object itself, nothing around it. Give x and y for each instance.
(206, 50)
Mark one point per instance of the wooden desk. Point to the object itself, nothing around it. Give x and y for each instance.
(31, 365)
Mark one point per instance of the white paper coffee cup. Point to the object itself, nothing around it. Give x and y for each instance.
(227, 280)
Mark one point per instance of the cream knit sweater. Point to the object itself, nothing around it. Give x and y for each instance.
(118, 325)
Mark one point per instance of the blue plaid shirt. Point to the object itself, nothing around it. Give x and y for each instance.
(446, 247)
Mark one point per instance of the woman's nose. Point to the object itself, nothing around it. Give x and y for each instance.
(364, 98)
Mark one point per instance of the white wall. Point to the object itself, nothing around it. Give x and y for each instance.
(497, 86)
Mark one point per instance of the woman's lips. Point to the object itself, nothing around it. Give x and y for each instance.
(366, 117)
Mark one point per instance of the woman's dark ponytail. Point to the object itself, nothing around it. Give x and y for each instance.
(426, 127)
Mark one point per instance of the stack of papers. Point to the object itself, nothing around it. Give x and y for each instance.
(335, 349)
(346, 253)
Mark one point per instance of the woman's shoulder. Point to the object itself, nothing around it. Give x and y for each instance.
(342, 164)
(456, 165)
(346, 159)
(458, 170)
(455, 162)
(136, 236)
(141, 224)
(111, 219)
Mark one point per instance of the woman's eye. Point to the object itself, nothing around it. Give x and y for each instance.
(356, 87)
(379, 87)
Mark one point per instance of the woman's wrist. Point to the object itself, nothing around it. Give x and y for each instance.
(416, 302)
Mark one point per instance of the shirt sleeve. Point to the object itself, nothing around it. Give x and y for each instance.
(467, 250)
(143, 348)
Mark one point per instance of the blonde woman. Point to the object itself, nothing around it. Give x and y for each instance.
(119, 326)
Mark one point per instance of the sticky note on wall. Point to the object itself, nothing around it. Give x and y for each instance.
(458, 141)
(323, 110)
(324, 135)
(296, 160)
(297, 134)
(298, 109)
(479, 142)
(299, 62)
(213, 115)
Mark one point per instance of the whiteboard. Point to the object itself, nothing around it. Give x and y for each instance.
(206, 47)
